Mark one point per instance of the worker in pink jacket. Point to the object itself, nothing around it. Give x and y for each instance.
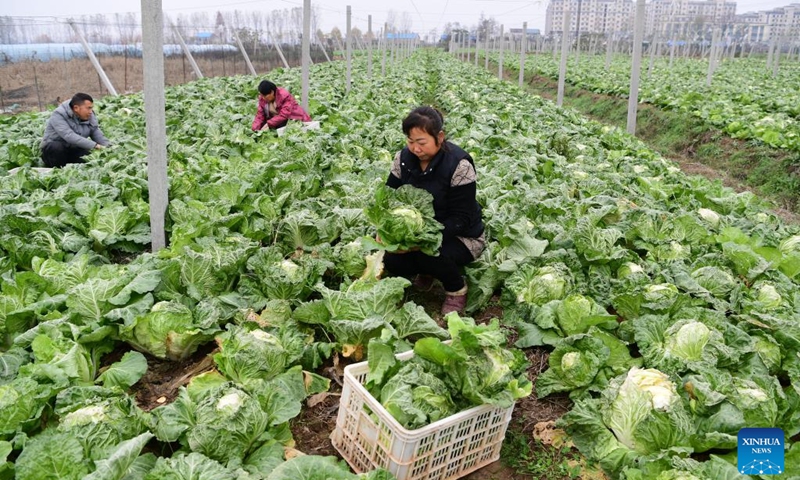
(276, 106)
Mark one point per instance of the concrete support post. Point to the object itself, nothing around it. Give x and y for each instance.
(349, 51)
(502, 48)
(562, 69)
(244, 53)
(385, 38)
(522, 51)
(93, 59)
(280, 53)
(155, 120)
(324, 50)
(187, 53)
(369, 46)
(306, 51)
(636, 65)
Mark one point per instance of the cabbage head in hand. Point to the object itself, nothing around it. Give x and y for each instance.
(404, 218)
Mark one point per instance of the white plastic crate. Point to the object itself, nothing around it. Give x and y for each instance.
(368, 437)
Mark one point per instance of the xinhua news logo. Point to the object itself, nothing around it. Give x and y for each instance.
(760, 451)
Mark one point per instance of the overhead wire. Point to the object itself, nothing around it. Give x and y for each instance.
(420, 15)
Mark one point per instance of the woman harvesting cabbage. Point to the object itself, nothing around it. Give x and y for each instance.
(446, 172)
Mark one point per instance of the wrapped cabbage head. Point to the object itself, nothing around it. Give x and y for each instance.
(404, 219)
(645, 412)
(169, 331)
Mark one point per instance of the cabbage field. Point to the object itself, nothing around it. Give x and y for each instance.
(669, 304)
(744, 99)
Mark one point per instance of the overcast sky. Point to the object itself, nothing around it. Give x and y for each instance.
(425, 14)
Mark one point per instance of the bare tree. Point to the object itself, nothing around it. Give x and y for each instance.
(315, 19)
(278, 22)
(321, 37)
(219, 27)
(100, 28)
(401, 22)
(406, 22)
(296, 24)
(84, 22)
(335, 37)
(198, 22)
(126, 27)
(257, 23)
(8, 30)
(355, 32)
(486, 27)
(391, 19)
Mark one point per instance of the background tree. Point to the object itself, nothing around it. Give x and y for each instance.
(8, 30)
(335, 38)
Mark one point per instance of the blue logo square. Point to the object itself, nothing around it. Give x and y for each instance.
(760, 451)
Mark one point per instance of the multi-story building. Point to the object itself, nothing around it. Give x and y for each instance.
(675, 18)
(685, 17)
(610, 16)
(590, 16)
(767, 25)
(753, 27)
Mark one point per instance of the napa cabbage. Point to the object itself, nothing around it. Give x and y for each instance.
(404, 219)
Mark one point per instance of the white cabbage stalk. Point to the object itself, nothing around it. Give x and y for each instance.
(657, 288)
(677, 247)
(655, 383)
(659, 291)
(412, 216)
(263, 336)
(629, 268)
(230, 402)
(569, 360)
(84, 416)
(754, 393)
(769, 296)
(290, 268)
(709, 216)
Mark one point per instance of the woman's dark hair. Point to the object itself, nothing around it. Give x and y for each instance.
(79, 99)
(266, 87)
(427, 119)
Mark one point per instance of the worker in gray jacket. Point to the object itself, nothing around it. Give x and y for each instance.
(72, 132)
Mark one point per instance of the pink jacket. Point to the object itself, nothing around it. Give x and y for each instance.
(287, 107)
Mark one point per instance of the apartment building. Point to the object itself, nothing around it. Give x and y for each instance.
(764, 26)
(674, 18)
(613, 16)
(590, 16)
(681, 17)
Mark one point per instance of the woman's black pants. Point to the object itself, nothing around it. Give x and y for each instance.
(446, 267)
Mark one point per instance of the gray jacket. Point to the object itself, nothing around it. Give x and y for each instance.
(65, 127)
